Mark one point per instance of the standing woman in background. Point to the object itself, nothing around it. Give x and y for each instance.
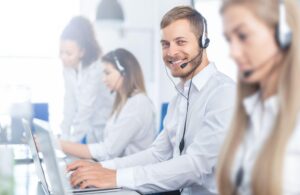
(131, 127)
(261, 154)
(87, 102)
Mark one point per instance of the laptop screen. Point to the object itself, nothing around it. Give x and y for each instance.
(54, 167)
(35, 155)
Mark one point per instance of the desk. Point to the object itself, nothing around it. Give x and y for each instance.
(26, 181)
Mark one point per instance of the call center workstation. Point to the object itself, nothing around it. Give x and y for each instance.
(129, 97)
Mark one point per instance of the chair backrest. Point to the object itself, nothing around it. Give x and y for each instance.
(16, 136)
(40, 111)
(163, 112)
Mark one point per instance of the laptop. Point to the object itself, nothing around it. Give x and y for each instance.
(37, 160)
(53, 175)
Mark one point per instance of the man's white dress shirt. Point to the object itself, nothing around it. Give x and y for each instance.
(160, 167)
(133, 130)
(87, 103)
(262, 116)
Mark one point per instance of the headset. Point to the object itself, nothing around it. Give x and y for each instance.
(283, 34)
(203, 44)
(120, 68)
(204, 40)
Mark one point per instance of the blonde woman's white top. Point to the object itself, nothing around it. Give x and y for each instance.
(131, 131)
(87, 103)
(262, 116)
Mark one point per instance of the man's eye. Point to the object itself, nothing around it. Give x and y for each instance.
(180, 42)
(227, 38)
(242, 36)
(164, 45)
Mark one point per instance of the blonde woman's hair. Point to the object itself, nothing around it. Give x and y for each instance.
(133, 79)
(267, 172)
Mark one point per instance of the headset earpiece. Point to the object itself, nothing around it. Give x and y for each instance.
(204, 40)
(120, 68)
(283, 34)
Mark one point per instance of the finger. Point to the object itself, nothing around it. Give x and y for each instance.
(85, 184)
(73, 165)
(87, 174)
(76, 164)
(91, 169)
(96, 183)
(82, 177)
(91, 183)
(81, 170)
(76, 177)
(75, 180)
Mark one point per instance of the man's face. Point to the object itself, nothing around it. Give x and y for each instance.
(180, 45)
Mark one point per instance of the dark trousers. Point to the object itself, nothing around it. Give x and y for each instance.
(176, 192)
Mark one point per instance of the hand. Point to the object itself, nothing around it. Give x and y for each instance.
(88, 174)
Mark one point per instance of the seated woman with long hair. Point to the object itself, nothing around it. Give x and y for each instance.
(131, 126)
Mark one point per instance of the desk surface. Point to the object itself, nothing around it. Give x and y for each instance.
(26, 181)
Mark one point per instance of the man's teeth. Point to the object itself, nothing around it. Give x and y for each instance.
(177, 62)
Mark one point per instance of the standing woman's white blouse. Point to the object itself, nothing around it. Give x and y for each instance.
(131, 131)
(262, 116)
(87, 103)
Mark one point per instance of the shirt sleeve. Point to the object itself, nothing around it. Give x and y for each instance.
(196, 166)
(123, 130)
(159, 151)
(115, 143)
(68, 108)
(87, 96)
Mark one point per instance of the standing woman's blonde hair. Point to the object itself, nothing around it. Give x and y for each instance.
(133, 79)
(267, 176)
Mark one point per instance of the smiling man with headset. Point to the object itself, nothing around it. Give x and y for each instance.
(184, 155)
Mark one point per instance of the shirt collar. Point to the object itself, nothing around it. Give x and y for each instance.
(200, 79)
(80, 67)
(270, 104)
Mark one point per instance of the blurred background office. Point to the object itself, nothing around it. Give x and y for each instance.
(30, 31)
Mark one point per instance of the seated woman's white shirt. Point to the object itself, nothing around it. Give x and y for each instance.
(131, 131)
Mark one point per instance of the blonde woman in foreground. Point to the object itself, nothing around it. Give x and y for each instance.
(261, 154)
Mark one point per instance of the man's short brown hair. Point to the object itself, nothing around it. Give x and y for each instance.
(184, 12)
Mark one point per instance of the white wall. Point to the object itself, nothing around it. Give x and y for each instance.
(30, 31)
(140, 34)
(218, 50)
